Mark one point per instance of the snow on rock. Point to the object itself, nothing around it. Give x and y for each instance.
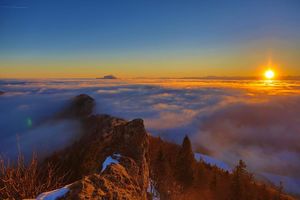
(53, 195)
(151, 189)
(212, 161)
(110, 160)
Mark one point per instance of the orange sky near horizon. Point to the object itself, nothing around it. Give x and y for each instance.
(201, 63)
(139, 69)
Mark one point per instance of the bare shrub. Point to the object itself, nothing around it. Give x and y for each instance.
(19, 180)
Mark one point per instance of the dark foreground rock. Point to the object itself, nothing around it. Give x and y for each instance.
(1, 92)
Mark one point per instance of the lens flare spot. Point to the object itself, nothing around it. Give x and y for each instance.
(29, 122)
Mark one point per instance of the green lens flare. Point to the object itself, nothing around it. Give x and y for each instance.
(29, 122)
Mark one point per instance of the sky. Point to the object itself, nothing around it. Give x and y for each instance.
(134, 38)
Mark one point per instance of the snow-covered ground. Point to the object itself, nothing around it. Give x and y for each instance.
(110, 160)
(53, 195)
(151, 189)
(212, 161)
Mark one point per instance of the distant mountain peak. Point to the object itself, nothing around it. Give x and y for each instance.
(108, 77)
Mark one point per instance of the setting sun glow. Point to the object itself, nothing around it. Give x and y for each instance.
(269, 74)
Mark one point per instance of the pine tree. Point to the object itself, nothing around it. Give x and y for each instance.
(238, 181)
(159, 166)
(264, 193)
(213, 183)
(279, 191)
(161, 173)
(185, 163)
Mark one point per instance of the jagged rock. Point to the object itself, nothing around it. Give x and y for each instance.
(1, 92)
(118, 181)
(81, 106)
(132, 140)
(104, 136)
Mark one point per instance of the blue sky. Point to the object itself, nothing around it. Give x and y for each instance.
(106, 31)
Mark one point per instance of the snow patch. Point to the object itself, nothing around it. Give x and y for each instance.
(53, 195)
(110, 160)
(151, 189)
(212, 161)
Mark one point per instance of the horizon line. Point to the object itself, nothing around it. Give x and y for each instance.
(286, 77)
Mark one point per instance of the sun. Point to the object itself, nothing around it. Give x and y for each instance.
(269, 74)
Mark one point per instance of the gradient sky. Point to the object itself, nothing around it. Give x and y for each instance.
(135, 38)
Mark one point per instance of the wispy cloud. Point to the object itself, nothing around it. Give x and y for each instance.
(264, 134)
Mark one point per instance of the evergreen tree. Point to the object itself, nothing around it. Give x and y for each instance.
(238, 181)
(185, 163)
(264, 193)
(161, 173)
(213, 183)
(200, 176)
(279, 191)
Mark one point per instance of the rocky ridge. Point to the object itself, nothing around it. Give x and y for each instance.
(104, 136)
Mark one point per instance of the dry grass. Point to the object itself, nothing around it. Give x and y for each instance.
(19, 180)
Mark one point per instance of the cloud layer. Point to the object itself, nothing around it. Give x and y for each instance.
(254, 120)
(265, 134)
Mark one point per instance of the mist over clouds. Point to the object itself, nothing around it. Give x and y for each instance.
(253, 120)
(265, 134)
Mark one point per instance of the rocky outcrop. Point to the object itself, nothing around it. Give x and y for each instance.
(104, 136)
(80, 106)
(118, 181)
(1, 92)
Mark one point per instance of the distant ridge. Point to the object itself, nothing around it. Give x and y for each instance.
(108, 77)
(242, 78)
(226, 78)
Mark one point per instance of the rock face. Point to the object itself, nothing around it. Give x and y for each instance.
(104, 136)
(1, 92)
(81, 106)
(118, 181)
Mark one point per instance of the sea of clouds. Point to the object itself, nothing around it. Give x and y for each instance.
(256, 121)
